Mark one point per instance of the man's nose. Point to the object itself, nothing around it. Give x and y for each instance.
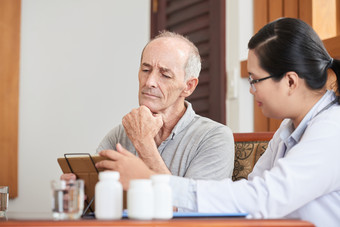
(151, 80)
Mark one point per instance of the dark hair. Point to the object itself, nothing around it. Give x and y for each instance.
(289, 44)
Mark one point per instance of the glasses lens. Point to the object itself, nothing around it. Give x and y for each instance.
(250, 80)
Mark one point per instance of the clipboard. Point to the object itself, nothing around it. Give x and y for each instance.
(83, 166)
(208, 215)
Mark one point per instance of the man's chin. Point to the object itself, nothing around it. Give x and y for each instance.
(151, 106)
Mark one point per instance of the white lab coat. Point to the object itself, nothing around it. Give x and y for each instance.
(298, 176)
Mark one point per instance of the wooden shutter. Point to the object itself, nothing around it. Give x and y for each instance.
(203, 22)
(9, 93)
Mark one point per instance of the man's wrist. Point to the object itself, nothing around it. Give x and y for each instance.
(144, 147)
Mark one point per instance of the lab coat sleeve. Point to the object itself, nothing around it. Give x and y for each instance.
(309, 170)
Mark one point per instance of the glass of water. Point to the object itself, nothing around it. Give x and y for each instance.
(67, 199)
(3, 200)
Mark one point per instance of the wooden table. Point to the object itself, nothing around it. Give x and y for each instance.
(45, 220)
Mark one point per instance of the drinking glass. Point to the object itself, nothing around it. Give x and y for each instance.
(3, 200)
(67, 199)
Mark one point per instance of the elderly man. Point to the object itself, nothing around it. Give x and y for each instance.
(164, 132)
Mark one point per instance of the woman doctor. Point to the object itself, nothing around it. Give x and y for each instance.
(298, 176)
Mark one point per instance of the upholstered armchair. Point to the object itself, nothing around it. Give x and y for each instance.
(248, 149)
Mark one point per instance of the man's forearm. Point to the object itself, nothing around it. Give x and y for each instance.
(148, 152)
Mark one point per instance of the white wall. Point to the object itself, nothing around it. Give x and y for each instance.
(78, 77)
(239, 29)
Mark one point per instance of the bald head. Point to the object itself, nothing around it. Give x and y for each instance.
(192, 62)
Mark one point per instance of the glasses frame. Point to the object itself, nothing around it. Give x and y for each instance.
(252, 81)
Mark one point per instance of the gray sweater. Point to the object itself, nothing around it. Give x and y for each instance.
(197, 147)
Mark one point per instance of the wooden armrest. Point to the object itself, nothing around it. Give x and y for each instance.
(253, 136)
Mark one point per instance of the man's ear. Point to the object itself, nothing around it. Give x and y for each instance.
(190, 86)
(292, 81)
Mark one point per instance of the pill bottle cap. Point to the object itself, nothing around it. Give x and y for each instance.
(140, 183)
(160, 178)
(112, 175)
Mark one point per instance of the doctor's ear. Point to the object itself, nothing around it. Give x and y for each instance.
(292, 80)
(190, 86)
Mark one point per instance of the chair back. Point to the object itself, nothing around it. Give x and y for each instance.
(248, 149)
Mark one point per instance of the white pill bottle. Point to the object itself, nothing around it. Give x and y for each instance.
(140, 201)
(109, 196)
(162, 196)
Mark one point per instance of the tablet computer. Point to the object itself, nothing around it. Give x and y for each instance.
(83, 166)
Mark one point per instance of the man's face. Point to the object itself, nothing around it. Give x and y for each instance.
(161, 74)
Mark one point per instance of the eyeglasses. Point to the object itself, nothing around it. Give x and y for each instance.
(252, 81)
